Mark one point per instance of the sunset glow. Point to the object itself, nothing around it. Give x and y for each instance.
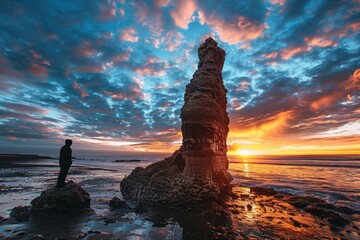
(112, 75)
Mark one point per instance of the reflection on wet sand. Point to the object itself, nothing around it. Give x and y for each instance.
(251, 213)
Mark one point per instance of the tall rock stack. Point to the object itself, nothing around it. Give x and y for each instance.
(197, 172)
(205, 120)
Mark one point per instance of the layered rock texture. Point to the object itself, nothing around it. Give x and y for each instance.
(197, 172)
(205, 120)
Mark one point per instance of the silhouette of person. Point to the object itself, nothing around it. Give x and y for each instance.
(65, 162)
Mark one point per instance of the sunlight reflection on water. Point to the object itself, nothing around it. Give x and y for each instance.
(333, 181)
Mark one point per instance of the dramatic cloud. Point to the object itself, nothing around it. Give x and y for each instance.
(129, 34)
(183, 12)
(112, 74)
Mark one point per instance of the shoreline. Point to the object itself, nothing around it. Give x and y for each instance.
(252, 213)
(22, 157)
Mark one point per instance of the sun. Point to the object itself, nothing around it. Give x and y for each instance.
(243, 152)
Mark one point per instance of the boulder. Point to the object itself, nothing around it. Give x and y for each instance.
(70, 199)
(21, 213)
(163, 184)
(118, 204)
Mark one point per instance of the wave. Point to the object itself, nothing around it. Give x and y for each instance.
(304, 158)
(302, 165)
(334, 198)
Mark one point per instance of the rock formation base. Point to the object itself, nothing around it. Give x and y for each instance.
(70, 199)
(163, 184)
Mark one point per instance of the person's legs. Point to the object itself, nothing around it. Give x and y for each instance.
(62, 175)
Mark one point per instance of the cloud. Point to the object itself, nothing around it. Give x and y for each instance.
(83, 93)
(170, 42)
(152, 67)
(116, 71)
(232, 23)
(183, 12)
(278, 2)
(289, 52)
(150, 15)
(129, 34)
(162, 3)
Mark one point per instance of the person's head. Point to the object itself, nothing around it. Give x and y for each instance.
(68, 142)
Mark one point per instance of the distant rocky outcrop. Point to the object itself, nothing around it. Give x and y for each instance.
(70, 199)
(197, 172)
(128, 160)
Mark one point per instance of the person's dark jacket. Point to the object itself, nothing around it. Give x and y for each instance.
(65, 156)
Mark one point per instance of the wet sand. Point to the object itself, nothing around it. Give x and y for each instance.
(249, 214)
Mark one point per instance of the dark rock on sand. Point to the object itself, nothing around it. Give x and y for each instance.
(249, 207)
(21, 213)
(323, 210)
(333, 218)
(301, 202)
(116, 203)
(263, 191)
(342, 209)
(70, 199)
(197, 172)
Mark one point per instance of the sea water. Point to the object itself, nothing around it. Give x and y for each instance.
(335, 179)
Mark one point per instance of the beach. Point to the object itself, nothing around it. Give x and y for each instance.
(303, 197)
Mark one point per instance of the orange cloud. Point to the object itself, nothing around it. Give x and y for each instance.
(183, 12)
(38, 65)
(271, 55)
(13, 138)
(271, 126)
(86, 50)
(91, 69)
(325, 101)
(149, 71)
(278, 2)
(355, 78)
(161, 86)
(129, 35)
(162, 3)
(238, 31)
(122, 12)
(38, 70)
(244, 85)
(83, 93)
(319, 42)
(173, 40)
(121, 57)
(289, 52)
(153, 67)
(150, 16)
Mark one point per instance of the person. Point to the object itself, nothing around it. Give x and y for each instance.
(65, 161)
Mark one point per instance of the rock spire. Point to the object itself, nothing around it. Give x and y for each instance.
(197, 172)
(205, 120)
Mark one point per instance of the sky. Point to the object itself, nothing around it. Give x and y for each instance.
(111, 74)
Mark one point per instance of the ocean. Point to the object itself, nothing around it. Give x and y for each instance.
(335, 179)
